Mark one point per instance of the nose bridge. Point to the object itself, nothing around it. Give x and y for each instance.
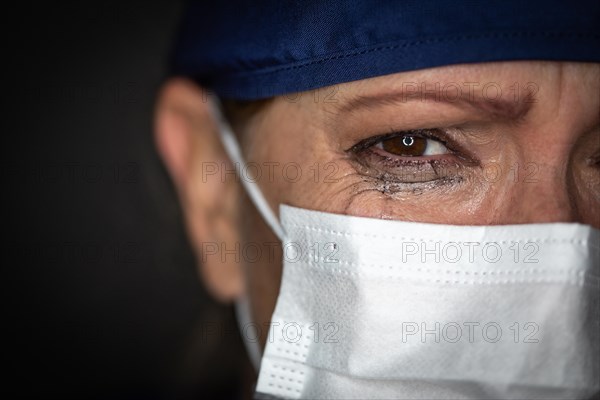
(543, 195)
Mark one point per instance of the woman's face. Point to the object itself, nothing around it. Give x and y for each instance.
(481, 144)
(490, 144)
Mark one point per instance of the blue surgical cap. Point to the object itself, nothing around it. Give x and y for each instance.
(256, 49)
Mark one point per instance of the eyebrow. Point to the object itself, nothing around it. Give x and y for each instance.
(494, 109)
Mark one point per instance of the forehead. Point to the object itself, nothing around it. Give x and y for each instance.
(464, 76)
(499, 90)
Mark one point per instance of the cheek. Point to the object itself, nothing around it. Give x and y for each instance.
(332, 184)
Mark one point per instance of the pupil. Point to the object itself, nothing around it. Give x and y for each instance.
(408, 141)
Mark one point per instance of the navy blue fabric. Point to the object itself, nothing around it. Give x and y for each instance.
(257, 49)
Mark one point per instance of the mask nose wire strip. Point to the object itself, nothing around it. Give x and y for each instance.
(232, 149)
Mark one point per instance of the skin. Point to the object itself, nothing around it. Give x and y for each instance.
(526, 158)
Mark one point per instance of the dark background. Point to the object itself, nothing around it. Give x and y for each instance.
(102, 296)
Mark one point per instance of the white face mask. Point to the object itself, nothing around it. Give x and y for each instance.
(374, 308)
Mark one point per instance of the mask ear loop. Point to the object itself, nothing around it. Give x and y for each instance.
(244, 320)
(232, 149)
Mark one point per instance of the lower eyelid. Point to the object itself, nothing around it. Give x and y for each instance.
(406, 170)
(389, 184)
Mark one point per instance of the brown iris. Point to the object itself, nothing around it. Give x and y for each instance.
(410, 146)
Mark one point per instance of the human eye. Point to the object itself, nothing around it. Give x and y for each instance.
(407, 159)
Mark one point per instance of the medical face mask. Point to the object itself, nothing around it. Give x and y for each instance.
(386, 309)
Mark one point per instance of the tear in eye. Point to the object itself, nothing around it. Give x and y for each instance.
(412, 146)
